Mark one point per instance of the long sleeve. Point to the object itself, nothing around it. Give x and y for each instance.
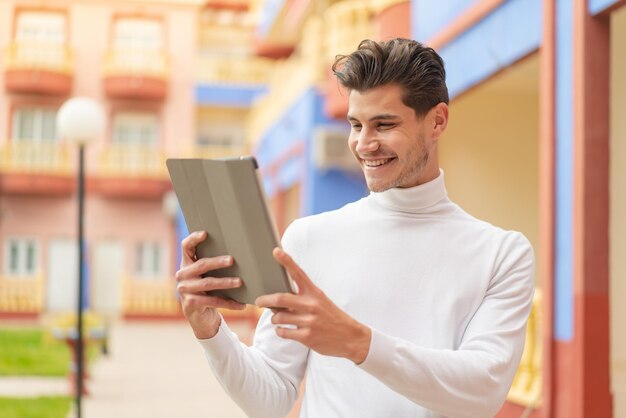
(473, 380)
(262, 379)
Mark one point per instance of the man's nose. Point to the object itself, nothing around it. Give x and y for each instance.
(367, 142)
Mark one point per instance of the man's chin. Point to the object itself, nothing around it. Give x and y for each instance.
(377, 187)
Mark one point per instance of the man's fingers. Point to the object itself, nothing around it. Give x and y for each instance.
(283, 300)
(296, 334)
(290, 318)
(202, 266)
(189, 245)
(294, 270)
(207, 284)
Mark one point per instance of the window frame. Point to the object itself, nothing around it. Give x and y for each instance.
(24, 244)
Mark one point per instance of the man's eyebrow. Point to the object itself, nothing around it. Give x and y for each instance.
(384, 116)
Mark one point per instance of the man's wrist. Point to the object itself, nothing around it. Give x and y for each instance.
(205, 333)
(361, 344)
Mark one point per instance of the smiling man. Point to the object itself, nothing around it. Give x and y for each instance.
(407, 306)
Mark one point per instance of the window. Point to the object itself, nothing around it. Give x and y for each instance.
(136, 33)
(40, 27)
(40, 37)
(21, 257)
(135, 128)
(34, 124)
(149, 260)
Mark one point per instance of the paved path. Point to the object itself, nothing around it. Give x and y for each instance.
(156, 370)
(27, 386)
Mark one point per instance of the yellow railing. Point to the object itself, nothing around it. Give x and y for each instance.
(39, 56)
(136, 62)
(235, 71)
(130, 160)
(21, 156)
(214, 35)
(527, 385)
(21, 294)
(216, 152)
(347, 23)
(149, 296)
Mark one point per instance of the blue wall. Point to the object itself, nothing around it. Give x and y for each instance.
(598, 6)
(493, 44)
(227, 96)
(321, 190)
(564, 201)
(428, 18)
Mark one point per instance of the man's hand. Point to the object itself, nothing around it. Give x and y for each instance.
(321, 325)
(198, 307)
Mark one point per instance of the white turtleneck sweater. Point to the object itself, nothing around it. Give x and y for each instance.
(446, 295)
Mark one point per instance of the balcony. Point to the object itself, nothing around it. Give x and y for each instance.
(30, 167)
(21, 295)
(290, 79)
(349, 22)
(235, 71)
(38, 68)
(131, 171)
(135, 73)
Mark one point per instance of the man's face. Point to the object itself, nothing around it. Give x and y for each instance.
(389, 141)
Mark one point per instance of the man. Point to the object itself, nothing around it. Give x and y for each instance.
(407, 306)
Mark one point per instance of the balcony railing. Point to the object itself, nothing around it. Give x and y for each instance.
(140, 62)
(30, 157)
(149, 297)
(527, 385)
(130, 160)
(39, 56)
(250, 71)
(210, 151)
(21, 294)
(290, 78)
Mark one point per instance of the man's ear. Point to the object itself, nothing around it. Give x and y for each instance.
(439, 119)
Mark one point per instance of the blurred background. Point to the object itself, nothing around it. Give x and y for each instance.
(536, 143)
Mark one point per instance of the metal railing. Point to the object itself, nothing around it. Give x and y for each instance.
(55, 57)
(22, 294)
(136, 62)
(149, 296)
(131, 160)
(23, 156)
(237, 71)
(347, 23)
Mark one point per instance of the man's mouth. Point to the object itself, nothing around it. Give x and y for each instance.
(378, 162)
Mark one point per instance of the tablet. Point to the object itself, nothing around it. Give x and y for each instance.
(225, 198)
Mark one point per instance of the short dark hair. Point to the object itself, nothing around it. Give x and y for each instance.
(408, 63)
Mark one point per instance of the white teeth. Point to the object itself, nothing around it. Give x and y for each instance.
(376, 163)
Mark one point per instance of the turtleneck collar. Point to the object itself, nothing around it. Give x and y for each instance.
(412, 199)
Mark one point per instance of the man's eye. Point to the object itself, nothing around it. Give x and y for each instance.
(356, 127)
(385, 125)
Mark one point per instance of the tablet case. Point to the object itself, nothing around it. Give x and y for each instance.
(225, 198)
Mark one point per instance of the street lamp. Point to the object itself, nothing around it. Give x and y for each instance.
(80, 120)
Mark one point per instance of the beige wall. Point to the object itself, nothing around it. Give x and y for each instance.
(490, 150)
(618, 212)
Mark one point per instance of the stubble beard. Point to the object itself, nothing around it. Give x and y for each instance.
(416, 160)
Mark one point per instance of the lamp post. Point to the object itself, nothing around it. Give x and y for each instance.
(80, 120)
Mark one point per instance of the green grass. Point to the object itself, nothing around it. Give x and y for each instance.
(29, 352)
(43, 407)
